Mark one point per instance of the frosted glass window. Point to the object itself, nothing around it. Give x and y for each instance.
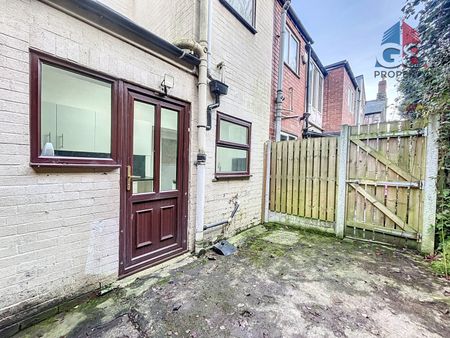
(232, 132)
(169, 149)
(143, 147)
(231, 160)
(76, 114)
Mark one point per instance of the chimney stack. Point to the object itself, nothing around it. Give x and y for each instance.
(382, 90)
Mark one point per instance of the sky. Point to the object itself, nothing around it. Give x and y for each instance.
(352, 30)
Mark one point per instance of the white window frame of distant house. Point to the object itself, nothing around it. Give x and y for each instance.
(350, 100)
(287, 136)
(316, 81)
(287, 52)
(250, 23)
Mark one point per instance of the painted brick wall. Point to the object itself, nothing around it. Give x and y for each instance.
(290, 80)
(247, 58)
(59, 229)
(336, 111)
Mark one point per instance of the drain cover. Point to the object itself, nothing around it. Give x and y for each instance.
(224, 248)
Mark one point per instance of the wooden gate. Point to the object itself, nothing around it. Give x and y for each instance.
(386, 168)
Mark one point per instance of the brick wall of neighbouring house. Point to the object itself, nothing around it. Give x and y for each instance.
(290, 80)
(336, 111)
(59, 228)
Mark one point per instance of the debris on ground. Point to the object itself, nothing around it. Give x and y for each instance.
(279, 284)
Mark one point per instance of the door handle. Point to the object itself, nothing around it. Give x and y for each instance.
(129, 177)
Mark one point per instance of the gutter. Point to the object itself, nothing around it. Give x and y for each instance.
(103, 17)
(297, 22)
(347, 67)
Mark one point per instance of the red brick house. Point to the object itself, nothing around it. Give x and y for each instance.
(294, 72)
(341, 97)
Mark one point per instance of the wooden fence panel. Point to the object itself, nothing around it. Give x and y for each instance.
(303, 178)
(331, 179)
(384, 174)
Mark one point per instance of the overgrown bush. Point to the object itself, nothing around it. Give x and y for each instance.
(425, 92)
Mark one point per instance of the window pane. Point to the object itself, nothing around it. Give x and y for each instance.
(320, 93)
(169, 149)
(293, 53)
(232, 132)
(75, 114)
(311, 85)
(286, 46)
(143, 147)
(231, 160)
(244, 8)
(316, 88)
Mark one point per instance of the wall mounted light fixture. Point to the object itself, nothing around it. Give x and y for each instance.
(167, 83)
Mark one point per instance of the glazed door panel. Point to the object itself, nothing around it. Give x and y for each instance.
(154, 180)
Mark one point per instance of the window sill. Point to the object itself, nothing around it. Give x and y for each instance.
(221, 177)
(238, 16)
(66, 164)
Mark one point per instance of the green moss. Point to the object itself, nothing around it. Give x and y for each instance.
(260, 251)
(441, 265)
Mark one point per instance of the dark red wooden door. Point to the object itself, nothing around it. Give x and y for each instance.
(154, 180)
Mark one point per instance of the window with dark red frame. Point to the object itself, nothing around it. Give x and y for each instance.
(73, 114)
(232, 147)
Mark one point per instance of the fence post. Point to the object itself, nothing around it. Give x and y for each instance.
(341, 199)
(429, 187)
(266, 187)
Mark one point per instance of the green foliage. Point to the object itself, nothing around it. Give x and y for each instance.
(442, 263)
(425, 91)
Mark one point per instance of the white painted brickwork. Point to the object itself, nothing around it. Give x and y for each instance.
(247, 60)
(59, 228)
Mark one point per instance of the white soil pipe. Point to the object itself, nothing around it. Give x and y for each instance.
(200, 49)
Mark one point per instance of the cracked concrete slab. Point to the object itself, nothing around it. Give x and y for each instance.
(281, 283)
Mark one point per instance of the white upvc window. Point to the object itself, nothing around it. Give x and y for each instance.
(287, 137)
(291, 50)
(351, 100)
(316, 88)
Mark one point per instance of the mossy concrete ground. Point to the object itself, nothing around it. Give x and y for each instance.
(281, 283)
